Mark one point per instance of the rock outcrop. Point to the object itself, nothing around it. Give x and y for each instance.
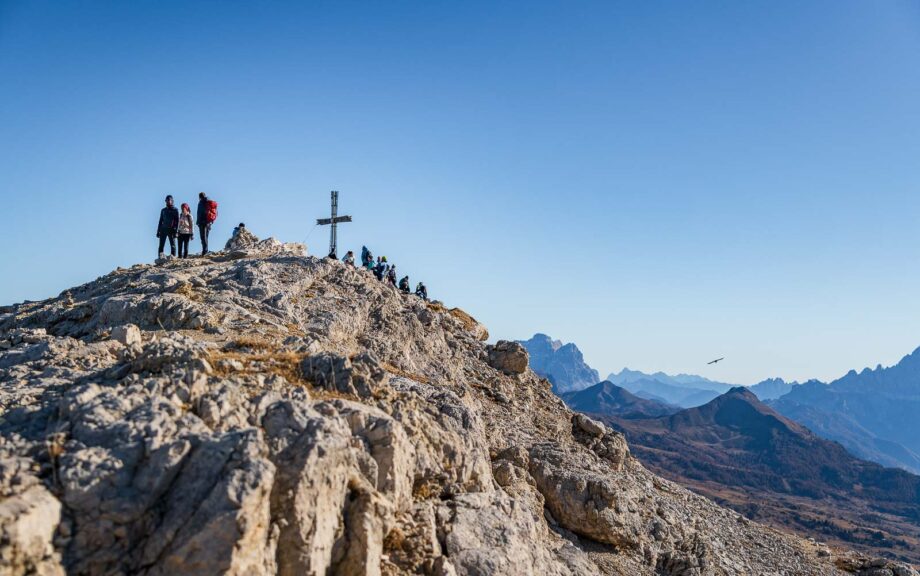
(258, 411)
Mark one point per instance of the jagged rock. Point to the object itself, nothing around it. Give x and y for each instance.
(292, 415)
(358, 376)
(128, 334)
(509, 357)
(588, 426)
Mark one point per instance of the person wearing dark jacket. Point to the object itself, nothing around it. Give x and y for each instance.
(421, 291)
(404, 285)
(204, 225)
(168, 226)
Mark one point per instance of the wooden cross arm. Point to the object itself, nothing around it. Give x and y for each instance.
(321, 221)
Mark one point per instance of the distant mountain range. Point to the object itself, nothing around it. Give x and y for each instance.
(874, 413)
(739, 451)
(688, 390)
(565, 367)
(561, 364)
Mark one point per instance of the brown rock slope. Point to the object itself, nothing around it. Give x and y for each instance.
(278, 413)
(742, 453)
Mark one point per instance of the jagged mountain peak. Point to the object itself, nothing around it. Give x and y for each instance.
(260, 411)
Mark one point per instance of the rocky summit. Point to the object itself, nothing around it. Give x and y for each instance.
(260, 411)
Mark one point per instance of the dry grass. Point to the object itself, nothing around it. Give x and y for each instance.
(400, 372)
(186, 289)
(250, 350)
(469, 323)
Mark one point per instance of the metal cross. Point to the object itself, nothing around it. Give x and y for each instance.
(333, 221)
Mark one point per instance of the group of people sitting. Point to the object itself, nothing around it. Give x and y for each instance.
(174, 223)
(384, 271)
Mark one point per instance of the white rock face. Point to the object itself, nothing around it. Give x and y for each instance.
(258, 411)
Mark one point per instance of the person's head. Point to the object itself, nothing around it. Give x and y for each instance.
(169, 201)
(186, 209)
(242, 225)
(384, 259)
(202, 196)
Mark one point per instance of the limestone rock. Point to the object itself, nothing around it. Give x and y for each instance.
(285, 414)
(508, 357)
(127, 334)
(241, 239)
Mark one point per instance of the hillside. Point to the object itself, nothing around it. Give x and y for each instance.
(258, 411)
(874, 413)
(739, 451)
(610, 399)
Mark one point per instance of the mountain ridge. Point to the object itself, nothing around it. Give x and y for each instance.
(740, 451)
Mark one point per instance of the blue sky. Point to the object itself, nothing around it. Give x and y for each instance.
(660, 182)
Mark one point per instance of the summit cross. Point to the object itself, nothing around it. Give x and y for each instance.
(333, 222)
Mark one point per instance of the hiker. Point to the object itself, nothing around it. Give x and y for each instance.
(421, 291)
(391, 276)
(207, 214)
(404, 285)
(349, 258)
(366, 258)
(167, 227)
(186, 230)
(380, 269)
(238, 230)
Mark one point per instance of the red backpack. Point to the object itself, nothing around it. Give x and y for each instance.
(212, 211)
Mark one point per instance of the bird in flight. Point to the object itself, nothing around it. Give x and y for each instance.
(716, 360)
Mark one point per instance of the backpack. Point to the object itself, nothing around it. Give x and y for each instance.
(212, 211)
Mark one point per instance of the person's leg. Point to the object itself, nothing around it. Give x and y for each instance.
(188, 239)
(203, 229)
(183, 245)
(162, 243)
(172, 244)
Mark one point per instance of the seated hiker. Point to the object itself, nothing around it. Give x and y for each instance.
(238, 229)
(186, 230)
(349, 258)
(404, 285)
(421, 291)
(391, 276)
(380, 269)
(168, 226)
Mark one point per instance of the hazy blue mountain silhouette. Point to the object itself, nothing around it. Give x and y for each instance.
(608, 398)
(684, 390)
(874, 413)
(561, 364)
(627, 376)
(772, 388)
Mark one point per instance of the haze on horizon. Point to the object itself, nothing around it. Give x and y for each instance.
(660, 184)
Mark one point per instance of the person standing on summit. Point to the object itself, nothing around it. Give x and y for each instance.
(167, 227)
(207, 214)
(186, 230)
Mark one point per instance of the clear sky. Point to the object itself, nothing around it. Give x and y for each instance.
(661, 183)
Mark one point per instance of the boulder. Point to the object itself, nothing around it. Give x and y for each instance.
(508, 357)
(127, 334)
